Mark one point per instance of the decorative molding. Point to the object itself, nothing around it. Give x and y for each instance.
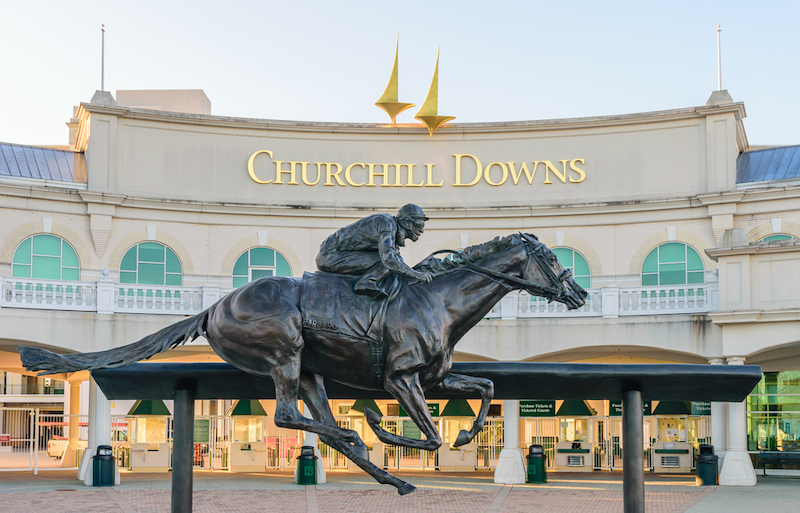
(253, 242)
(697, 242)
(127, 242)
(47, 224)
(581, 247)
(767, 229)
(27, 230)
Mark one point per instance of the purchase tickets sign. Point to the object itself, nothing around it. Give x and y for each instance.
(433, 409)
(537, 408)
(615, 408)
(701, 408)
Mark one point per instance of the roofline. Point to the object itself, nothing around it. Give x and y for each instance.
(417, 128)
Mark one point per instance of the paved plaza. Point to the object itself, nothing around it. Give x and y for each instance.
(217, 492)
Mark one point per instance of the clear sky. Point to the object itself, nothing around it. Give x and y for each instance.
(330, 61)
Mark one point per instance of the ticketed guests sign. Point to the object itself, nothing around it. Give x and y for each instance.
(615, 408)
(537, 408)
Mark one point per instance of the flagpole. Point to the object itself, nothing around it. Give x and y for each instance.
(719, 62)
(103, 58)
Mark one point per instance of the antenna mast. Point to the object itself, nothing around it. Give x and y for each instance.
(719, 62)
(103, 58)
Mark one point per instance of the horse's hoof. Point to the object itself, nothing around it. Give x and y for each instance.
(372, 418)
(406, 488)
(462, 439)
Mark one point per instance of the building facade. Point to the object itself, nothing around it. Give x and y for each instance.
(683, 235)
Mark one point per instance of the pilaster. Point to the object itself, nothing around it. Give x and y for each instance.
(737, 467)
(510, 465)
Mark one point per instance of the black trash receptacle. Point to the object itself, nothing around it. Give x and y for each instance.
(103, 466)
(537, 473)
(707, 472)
(307, 466)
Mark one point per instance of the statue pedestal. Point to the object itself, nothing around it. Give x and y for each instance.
(510, 467)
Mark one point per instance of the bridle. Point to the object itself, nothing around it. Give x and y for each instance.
(555, 289)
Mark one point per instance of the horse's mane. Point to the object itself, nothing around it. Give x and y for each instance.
(472, 253)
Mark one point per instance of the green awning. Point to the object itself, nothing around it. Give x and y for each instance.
(149, 407)
(573, 408)
(672, 408)
(457, 408)
(360, 404)
(249, 407)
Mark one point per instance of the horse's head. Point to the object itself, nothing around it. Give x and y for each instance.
(548, 278)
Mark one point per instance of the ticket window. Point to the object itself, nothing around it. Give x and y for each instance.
(672, 429)
(574, 430)
(247, 429)
(150, 430)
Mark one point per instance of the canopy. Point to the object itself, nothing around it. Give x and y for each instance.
(247, 407)
(149, 407)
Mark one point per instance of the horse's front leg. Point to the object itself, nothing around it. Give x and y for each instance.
(470, 385)
(408, 392)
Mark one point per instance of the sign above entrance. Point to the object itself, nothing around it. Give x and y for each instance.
(468, 170)
(537, 408)
(615, 408)
(701, 408)
(433, 408)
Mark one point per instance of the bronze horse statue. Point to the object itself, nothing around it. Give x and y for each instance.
(300, 330)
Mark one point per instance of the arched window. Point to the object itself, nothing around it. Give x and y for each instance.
(777, 236)
(46, 257)
(673, 263)
(571, 259)
(259, 262)
(150, 263)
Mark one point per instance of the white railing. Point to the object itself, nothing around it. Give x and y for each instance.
(106, 297)
(612, 301)
(153, 299)
(48, 294)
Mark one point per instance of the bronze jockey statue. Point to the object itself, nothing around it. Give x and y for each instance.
(369, 248)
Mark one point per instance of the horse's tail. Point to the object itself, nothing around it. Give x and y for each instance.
(35, 359)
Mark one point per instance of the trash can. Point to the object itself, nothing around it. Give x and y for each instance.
(307, 466)
(706, 473)
(103, 466)
(536, 468)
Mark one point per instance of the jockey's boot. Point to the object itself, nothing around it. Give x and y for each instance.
(370, 283)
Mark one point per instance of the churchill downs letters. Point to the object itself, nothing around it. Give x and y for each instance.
(467, 172)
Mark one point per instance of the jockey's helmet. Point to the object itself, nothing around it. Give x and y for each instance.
(412, 219)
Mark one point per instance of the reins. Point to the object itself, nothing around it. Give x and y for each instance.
(555, 291)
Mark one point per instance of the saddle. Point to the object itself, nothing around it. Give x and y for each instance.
(334, 307)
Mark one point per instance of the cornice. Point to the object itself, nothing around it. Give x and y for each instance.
(782, 246)
(753, 316)
(720, 198)
(453, 129)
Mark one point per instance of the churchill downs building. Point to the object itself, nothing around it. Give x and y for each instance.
(684, 236)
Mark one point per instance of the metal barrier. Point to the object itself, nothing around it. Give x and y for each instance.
(489, 443)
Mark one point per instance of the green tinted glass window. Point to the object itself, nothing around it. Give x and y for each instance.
(45, 257)
(673, 263)
(257, 263)
(777, 236)
(571, 259)
(151, 263)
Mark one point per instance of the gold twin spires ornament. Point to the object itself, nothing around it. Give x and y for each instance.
(388, 101)
(428, 114)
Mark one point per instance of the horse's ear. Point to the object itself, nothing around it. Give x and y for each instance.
(533, 239)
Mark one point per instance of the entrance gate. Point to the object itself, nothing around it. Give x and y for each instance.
(607, 447)
(542, 431)
(18, 451)
(406, 458)
(490, 443)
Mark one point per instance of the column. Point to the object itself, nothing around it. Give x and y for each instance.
(312, 440)
(99, 431)
(72, 394)
(632, 451)
(737, 467)
(182, 451)
(510, 464)
(719, 421)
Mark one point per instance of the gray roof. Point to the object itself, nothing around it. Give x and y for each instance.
(38, 163)
(769, 164)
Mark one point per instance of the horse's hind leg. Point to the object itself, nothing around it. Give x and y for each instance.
(312, 390)
(470, 385)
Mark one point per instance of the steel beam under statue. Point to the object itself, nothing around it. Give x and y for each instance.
(631, 383)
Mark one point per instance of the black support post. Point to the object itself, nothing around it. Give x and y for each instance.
(632, 452)
(182, 450)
